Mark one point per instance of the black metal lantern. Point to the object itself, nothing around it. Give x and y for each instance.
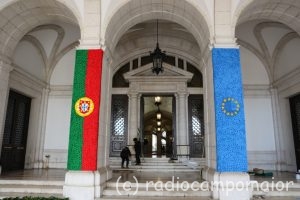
(157, 56)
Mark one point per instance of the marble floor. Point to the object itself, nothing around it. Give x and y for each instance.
(143, 176)
(35, 174)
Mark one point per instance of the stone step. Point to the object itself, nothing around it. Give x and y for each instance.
(142, 192)
(160, 160)
(20, 188)
(118, 162)
(31, 182)
(190, 166)
(39, 189)
(151, 198)
(154, 169)
(155, 188)
(177, 185)
(145, 159)
(292, 192)
(144, 165)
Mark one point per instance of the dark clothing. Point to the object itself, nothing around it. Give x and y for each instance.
(125, 154)
(123, 161)
(137, 148)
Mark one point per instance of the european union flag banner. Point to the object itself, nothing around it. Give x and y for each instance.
(229, 111)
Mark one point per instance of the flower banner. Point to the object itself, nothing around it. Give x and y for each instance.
(83, 139)
(229, 111)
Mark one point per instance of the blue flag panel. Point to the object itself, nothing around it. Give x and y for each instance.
(229, 111)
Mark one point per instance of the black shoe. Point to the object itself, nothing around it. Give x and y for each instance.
(123, 167)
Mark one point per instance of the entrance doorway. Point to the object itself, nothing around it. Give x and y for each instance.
(157, 117)
(295, 113)
(15, 132)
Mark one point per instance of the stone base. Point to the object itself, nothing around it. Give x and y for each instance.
(81, 185)
(86, 185)
(228, 185)
(105, 175)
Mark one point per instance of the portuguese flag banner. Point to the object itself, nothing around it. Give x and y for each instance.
(83, 139)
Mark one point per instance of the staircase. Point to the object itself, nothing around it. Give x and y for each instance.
(156, 178)
(148, 190)
(20, 188)
(160, 164)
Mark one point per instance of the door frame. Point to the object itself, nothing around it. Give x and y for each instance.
(141, 116)
(38, 92)
(295, 127)
(17, 97)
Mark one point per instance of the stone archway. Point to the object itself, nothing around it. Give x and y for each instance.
(191, 31)
(22, 18)
(272, 32)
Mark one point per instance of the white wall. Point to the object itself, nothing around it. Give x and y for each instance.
(47, 38)
(289, 59)
(259, 124)
(258, 113)
(253, 71)
(64, 71)
(29, 59)
(57, 132)
(260, 133)
(58, 123)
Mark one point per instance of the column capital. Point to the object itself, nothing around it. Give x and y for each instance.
(5, 66)
(133, 95)
(88, 45)
(182, 94)
(224, 42)
(46, 90)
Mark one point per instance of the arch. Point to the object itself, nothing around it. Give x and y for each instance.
(133, 12)
(19, 17)
(285, 12)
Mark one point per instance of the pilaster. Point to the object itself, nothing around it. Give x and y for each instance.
(5, 70)
(277, 128)
(182, 136)
(133, 116)
(224, 37)
(92, 23)
(41, 133)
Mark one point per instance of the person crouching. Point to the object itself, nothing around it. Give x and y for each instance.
(125, 154)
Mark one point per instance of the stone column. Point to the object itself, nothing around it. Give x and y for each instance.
(133, 117)
(5, 70)
(231, 152)
(41, 134)
(182, 134)
(277, 128)
(182, 118)
(82, 181)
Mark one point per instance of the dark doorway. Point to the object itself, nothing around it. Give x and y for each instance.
(15, 132)
(157, 125)
(295, 113)
(119, 124)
